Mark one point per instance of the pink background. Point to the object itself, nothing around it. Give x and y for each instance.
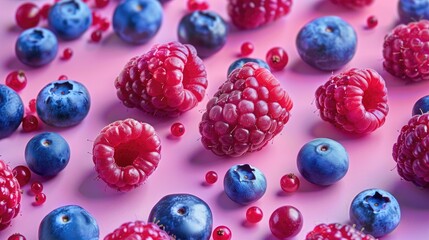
(185, 161)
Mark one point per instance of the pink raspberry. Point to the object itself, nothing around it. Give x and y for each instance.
(138, 230)
(406, 51)
(125, 153)
(10, 196)
(336, 231)
(353, 3)
(246, 112)
(166, 81)
(354, 101)
(248, 14)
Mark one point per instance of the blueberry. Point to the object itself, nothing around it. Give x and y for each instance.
(63, 103)
(413, 10)
(244, 184)
(184, 216)
(375, 211)
(240, 62)
(36, 47)
(421, 106)
(327, 43)
(323, 161)
(47, 154)
(69, 19)
(11, 111)
(205, 30)
(137, 21)
(69, 222)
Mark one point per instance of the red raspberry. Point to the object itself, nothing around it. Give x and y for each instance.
(138, 230)
(405, 51)
(125, 153)
(353, 3)
(167, 81)
(354, 101)
(249, 14)
(246, 112)
(336, 231)
(10, 196)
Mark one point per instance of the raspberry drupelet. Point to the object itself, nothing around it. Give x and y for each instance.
(353, 3)
(336, 231)
(138, 230)
(10, 196)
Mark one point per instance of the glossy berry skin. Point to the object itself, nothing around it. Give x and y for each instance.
(246, 48)
(69, 19)
(69, 222)
(67, 53)
(44, 10)
(421, 106)
(11, 111)
(205, 30)
(138, 230)
(30, 123)
(137, 21)
(336, 231)
(286, 222)
(16, 80)
(211, 177)
(27, 15)
(323, 161)
(413, 10)
(327, 43)
(244, 184)
(126, 153)
(183, 216)
(10, 195)
(22, 174)
(63, 103)
(371, 22)
(96, 36)
(40, 198)
(194, 5)
(355, 4)
(222, 233)
(277, 58)
(32, 105)
(241, 61)
(375, 211)
(177, 129)
(254, 214)
(289, 183)
(36, 47)
(16, 236)
(36, 187)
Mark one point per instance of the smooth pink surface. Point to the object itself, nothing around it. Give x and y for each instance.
(185, 162)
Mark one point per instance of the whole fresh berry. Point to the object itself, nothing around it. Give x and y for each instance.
(44, 10)
(16, 80)
(371, 22)
(211, 177)
(413, 10)
(246, 48)
(137, 21)
(36, 187)
(22, 174)
(69, 19)
(222, 233)
(337, 231)
(353, 3)
(11, 111)
(30, 123)
(241, 61)
(96, 36)
(194, 5)
(249, 14)
(40, 198)
(286, 222)
(289, 183)
(126, 153)
(354, 101)
(246, 112)
(32, 105)
(277, 58)
(404, 51)
(27, 15)
(323, 161)
(254, 214)
(168, 80)
(421, 106)
(63, 103)
(177, 129)
(183, 216)
(67, 54)
(138, 230)
(16, 236)
(244, 184)
(69, 222)
(47, 154)
(327, 43)
(10, 195)
(205, 30)
(36, 47)
(375, 211)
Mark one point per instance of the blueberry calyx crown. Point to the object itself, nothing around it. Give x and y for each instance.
(70, 7)
(61, 88)
(36, 35)
(376, 202)
(245, 172)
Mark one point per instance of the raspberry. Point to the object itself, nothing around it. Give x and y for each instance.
(338, 231)
(353, 3)
(354, 101)
(10, 196)
(405, 51)
(246, 112)
(125, 153)
(166, 81)
(249, 14)
(138, 230)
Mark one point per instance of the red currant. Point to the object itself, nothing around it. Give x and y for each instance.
(371, 22)
(254, 214)
(95, 18)
(63, 77)
(211, 177)
(27, 15)
(22, 174)
(40, 198)
(222, 233)
(194, 5)
(36, 187)
(67, 53)
(247, 48)
(101, 3)
(16, 80)
(277, 58)
(104, 24)
(16, 236)
(96, 36)
(177, 129)
(32, 105)
(286, 222)
(44, 11)
(30, 123)
(289, 183)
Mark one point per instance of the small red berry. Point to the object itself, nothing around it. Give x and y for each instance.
(104, 24)
(222, 233)
(16, 80)
(96, 36)
(101, 3)
(372, 22)
(27, 15)
(277, 58)
(36, 187)
(254, 214)
(177, 129)
(247, 49)
(194, 5)
(211, 177)
(95, 18)
(40, 198)
(286, 222)
(30, 123)
(44, 11)
(32, 105)
(67, 53)
(289, 183)
(22, 174)
(63, 77)
(16, 236)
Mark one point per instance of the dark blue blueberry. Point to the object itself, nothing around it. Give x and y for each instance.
(421, 106)
(63, 103)
(69, 19)
(240, 62)
(205, 30)
(413, 10)
(327, 43)
(11, 111)
(36, 47)
(137, 21)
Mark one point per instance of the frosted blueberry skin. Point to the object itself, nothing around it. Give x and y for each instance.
(11, 111)
(421, 106)
(413, 10)
(69, 222)
(36, 47)
(69, 19)
(137, 21)
(375, 211)
(327, 43)
(205, 30)
(240, 62)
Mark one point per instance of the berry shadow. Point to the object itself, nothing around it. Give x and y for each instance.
(14, 29)
(224, 202)
(321, 129)
(300, 67)
(205, 157)
(410, 196)
(329, 8)
(12, 63)
(95, 188)
(248, 225)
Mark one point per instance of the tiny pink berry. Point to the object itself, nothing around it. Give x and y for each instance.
(30, 123)
(36, 187)
(40, 198)
(32, 105)
(211, 177)
(372, 22)
(254, 214)
(16, 80)
(177, 129)
(63, 77)
(247, 49)
(67, 53)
